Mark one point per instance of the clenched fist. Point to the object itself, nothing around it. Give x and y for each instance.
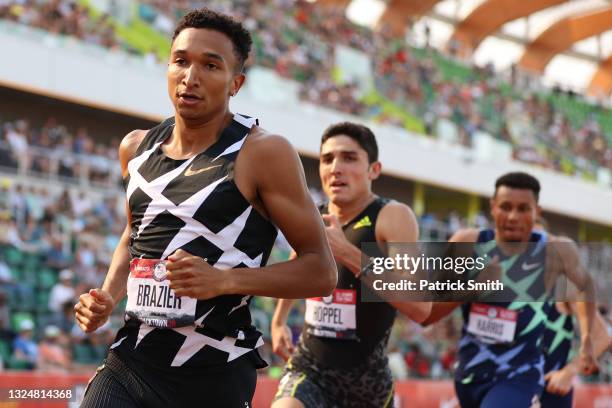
(93, 309)
(192, 276)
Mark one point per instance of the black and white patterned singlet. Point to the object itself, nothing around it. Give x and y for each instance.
(194, 205)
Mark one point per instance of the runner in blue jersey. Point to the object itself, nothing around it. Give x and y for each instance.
(500, 362)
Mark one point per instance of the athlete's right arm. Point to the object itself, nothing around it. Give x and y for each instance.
(439, 310)
(282, 338)
(560, 381)
(94, 307)
(278, 176)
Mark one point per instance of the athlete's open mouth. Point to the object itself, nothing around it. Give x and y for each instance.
(337, 184)
(189, 97)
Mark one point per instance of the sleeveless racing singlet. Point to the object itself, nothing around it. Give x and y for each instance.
(340, 330)
(512, 345)
(557, 339)
(194, 205)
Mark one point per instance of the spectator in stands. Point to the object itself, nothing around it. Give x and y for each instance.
(16, 135)
(62, 292)
(448, 358)
(34, 236)
(52, 352)
(35, 202)
(81, 203)
(65, 320)
(64, 203)
(18, 204)
(5, 321)
(5, 193)
(7, 155)
(9, 234)
(397, 363)
(10, 287)
(57, 257)
(417, 362)
(25, 350)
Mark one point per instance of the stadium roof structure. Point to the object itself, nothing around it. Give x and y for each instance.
(568, 42)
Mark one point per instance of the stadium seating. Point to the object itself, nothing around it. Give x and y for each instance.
(298, 48)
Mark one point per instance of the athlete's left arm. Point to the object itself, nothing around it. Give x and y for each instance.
(560, 381)
(571, 266)
(275, 182)
(601, 339)
(397, 223)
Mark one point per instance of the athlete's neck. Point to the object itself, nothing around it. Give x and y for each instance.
(346, 212)
(190, 138)
(511, 247)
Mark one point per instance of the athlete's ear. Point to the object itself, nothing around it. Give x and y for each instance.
(374, 170)
(492, 206)
(538, 212)
(237, 82)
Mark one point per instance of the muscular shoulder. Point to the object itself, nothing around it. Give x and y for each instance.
(269, 156)
(564, 247)
(261, 144)
(561, 239)
(465, 235)
(129, 145)
(394, 210)
(396, 222)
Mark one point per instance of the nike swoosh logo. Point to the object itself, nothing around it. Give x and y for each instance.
(190, 172)
(528, 267)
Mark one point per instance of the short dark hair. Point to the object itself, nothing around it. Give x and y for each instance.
(359, 133)
(521, 181)
(233, 29)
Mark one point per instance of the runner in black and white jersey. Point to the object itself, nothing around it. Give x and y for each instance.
(341, 359)
(205, 192)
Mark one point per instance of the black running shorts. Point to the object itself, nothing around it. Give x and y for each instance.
(117, 385)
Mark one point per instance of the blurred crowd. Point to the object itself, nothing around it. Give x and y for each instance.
(65, 17)
(54, 245)
(453, 101)
(417, 88)
(55, 150)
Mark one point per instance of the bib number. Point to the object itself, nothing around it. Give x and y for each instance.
(492, 324)
(151, 300)
(333, 316)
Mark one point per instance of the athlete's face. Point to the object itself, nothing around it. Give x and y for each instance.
(514, 212)
(202, 73)
(346, 175)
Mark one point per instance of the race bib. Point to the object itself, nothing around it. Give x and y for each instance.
(333, 316)
(151, 300)
(492, 324)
